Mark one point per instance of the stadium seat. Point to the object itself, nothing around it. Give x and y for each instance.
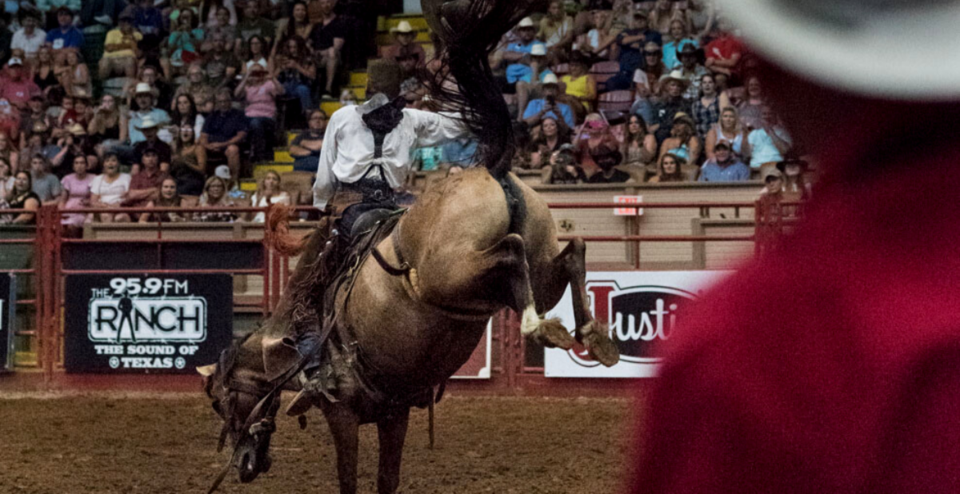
(615, 101)
(601, 71)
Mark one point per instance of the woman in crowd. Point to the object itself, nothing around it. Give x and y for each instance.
(168, 198)
(595, 44)
(44, 72)
(23, 197)
(260, 92)
(8, 152)
(185, 113)
(294, 69)
(729, 129)
(646, 81)
(76, 192)
(210, 8)
(183, 45)
(594, 134)
(683, 141)
(215, 196)
(580, 86)
(551, 138)
(198, 88)
(752, 105)
(639, 144)
(678, 38)
(189, 163)
(706, 109)
(298, 24)
(306, 147)
(108, 190)
(75, 76)
(256, 54)
(106, 130)
(6, 178)
(669, 170)
(268, 192)
(664, 13)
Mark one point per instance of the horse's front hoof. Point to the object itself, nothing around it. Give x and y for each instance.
(248, 466)
(596, 339)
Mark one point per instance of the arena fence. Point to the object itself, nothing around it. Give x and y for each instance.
(53, 256)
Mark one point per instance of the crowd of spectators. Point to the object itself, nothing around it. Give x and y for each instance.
(193, 92)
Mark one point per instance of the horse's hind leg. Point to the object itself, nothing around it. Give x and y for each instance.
(569, 267)
(392, 431)
(345, 427)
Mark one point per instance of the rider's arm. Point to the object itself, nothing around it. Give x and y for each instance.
(325, 184)
(434, 129)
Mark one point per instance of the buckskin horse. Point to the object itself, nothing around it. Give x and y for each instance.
(473, 244)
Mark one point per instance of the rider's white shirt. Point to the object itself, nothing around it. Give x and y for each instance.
(348, 147)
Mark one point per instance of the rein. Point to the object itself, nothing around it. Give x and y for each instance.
(404, 267)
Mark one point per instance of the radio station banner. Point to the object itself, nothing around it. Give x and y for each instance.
(146, 324)
(641, 308)
(8, 311)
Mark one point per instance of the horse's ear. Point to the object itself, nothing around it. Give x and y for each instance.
(207, 370)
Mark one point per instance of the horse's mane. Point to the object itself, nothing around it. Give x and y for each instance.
(468, 31)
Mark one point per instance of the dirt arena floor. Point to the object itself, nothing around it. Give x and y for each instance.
(167, 444)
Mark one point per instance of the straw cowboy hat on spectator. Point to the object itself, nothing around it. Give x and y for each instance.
(77, 130)
(676, 75)
(403, 27)
(148, 122)
(144, 88)
(538, 50)
(525, 23)
(873, 47)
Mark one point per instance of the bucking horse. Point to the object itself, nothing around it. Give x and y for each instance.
(414, 302)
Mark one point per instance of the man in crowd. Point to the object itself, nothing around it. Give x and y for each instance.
(769, 144)
(222, 65)
(672, 87)
(16, 88)
(547, 106)
(403, 45)
(145, 185)
(253, 24)
(517, 54)
(46, 185)
(66, 35)
(631, 42)
(120, 50)
(724, 167)
(224, 132)
(327, 38)
(529, 81)
(306, 147)
(691, 70)
(29, 37)
(556, 30)
(725, 52)
(145, 100)
(150, 129)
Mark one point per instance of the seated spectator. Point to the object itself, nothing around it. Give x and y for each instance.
(724, 53)
(106, 128)
(167, 197)
(639, 146)
(66, 35)
(306, 147)
(183, 45)
(679, 38)
(404, 44)
(530, 81)
(767, 145)
(100, 15)
(222, 28)
(224, 131)
(607, 160)
(595, 44)
(255, 51)
(795, 185)
(215, 196)
(669, 170)
(148, 20)
(630, 43)
(162, 92)
(691, 70)
(594, 135)
(120, 50)
(706, 108)
(75, 77)
(664, 13)
(751, 107)
(772, 187)
(579, 86)
(518, 54)
(109, 189)
(6, 178)
(297, 24)
(16, 88)
(44, 70)
(75, 112)
(259, 93)
(646, 82)
(724, 167)
(8, 152)
(145, 99)
(185, 113)
(326, 40)
(189, 162)
(198, 88)
(459, 153)
(76, 192)
(151, 142)
(29, 37)
(670, 104)
(550, 138)
(539, 108)
(268, 193)
(145, 184)
(253, 24)
(220, 64)
(210, 15)
(556, 31)
(562, 168)
(44, 184)
(727, 129)
(23, 197)
(295, 71)
(36, 113)
(683, 142)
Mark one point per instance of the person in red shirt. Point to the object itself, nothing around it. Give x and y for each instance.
(14, 87)
(145, 185)
(725, 52)
(832, 364)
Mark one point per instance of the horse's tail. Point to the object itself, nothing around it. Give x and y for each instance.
(280, 239)
(467, 31)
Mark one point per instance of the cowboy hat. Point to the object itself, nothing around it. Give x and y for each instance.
(148, 122)
(782, 165)
(550, 79)
(687, 49)
(868, 47)
(143, 87)
(403, 27)
(77, 130)
(676, 75)
(683, 117)
(538, 50)
(526, 22)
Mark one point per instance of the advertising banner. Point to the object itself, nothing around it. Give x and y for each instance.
(146, 324)
(641, 309)
(8, 311)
